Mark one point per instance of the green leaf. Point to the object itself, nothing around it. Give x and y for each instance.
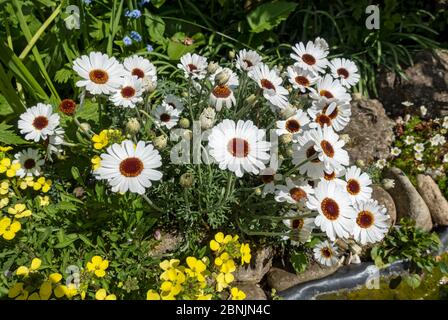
(5, 108)
(68, 240)
(63, 75)
(89, 111)
(269, 15)
(299, 261)
(8, 137)
(157, 3)
(156, 28)
(413, 280)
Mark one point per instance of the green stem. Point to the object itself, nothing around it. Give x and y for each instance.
(151, 204)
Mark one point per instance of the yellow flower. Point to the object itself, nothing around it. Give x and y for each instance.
(197, 266)
(8, 228)
(4, 202)
(55, 277)
(24, 271)
(101, 294)
(4, 187)
(5, 163)
(96, 162)
(69, 291)
(43, 201)
(43, 184)
(226, 263)
(11, 172)
(219, 241)
(18, 292)
(237, 294)
(165, 265)
(19, 211)
(26, 182)
(245, 253)
(98, 266)
(100, 140)
(223, 280)
(152, 295)
(5, 149)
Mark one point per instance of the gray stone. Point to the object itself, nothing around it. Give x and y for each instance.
(252, 291)
(280, 279)
(436, 202)
(168, 242)
(370, 131)
(426, 84)
(383, 197)
(260, 264)
(407, 200)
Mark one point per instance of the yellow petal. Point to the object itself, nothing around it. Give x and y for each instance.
(34, 296)
(22, 271)
(55, 277)
(15, 290)
(214, 245)
(100, 273)
(36, 263)
(59, 291)
(152, 295)
(45, 290)
(100, 294)
(15, 226)
(104, 264)
(96, 260)
(111, 297)
(219, 237)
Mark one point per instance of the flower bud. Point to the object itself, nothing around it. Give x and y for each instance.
(133, 126)
(85, 126)
(148, 85)
(184, 123)
(345, 137)
(212, 67)
(360, 163)
(187, 180)
(250, 100)
(231, 54)
(258, 192)
(207, 118)
(287, 112)
(286, 138)
(160, 142)
(222, 78)
(67, 107)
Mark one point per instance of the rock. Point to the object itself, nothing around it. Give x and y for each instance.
(260, 264)
(168, 243)
(408, 201)
(370, 131)
(436, 202)
(252, 291)
(426, 84)
(383, 197)
(280, 279)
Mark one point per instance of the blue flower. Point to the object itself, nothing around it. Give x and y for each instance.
(136, 36)
(143, 2)
(149, 48)
(87, 2)
(127, 41)
(134, 14)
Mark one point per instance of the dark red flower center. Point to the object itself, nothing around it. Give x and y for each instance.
(221, 92)
(327, 148)
(238, 147)
(127, 92)
(302, 81)
(98, 76)
(292, 125)
(343, 73)
(308, 59)
(297, 193)
(131, 167)
(29, 164)
(266, 84)
(68, 107)
(353, 187)
(40, 122)
(165, 117)
(138, 72)
(365, 219)
(330, 209)
(325, 93)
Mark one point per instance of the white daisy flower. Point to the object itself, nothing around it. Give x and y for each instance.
(294, 125)
(418, 156)
(193, 65)
(372, 222)
(345, 70)
(329, 147)
(30, 163)
(294, 191)
(311, 57)
(335, 176)
(141, 68)
(421, 167)
(321, 43)
(129, 94)
(38, 122)
(175, 102)
(301, 79)
(326, 254)
(395, 151)
(303, 151)
(336, 214)
(246, 60)
(101, 74)
(409, 140)
(271, 84)
(130, 167)
(221, 96)
(330, 89)
(419, 147)
(335, 114)
(239, 147)
(301, 228)
(165, 115)
(358, 184)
